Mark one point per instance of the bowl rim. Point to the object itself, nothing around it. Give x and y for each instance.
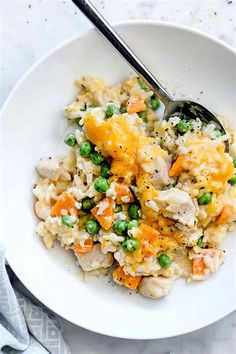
(53, 50)
(114, 24)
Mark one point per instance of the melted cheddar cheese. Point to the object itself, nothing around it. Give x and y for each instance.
(130, 150)
(211, 166)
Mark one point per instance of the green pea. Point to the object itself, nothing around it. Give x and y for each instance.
(133, 223)
(92, 105)
(111, 109)
(143, 116)
(77, 121)
(183, 126)
(101, 184)
(92, 227)
(87, 203)
(96, 158)
(70, 139)
(234, 163)
(205, 198)
(200, 242)
(218, 133)
(105, 170)
(130, 244)
(154, 102)
(120, 226)
(143, 85)
(164, 261)
(134, 211)
(123, 110)
(85, 148)
(66, 220)
(232, 180)
(118, 208)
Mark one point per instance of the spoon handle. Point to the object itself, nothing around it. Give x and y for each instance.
(122, 48)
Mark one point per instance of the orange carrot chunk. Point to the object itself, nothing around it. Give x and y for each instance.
(129, 281)
(148, 232)
(104, 213)
(148, 239)
(148, 249)
(135, 104)
(79, 250)
(123, 194)
(66, 202)
(177, 166)
(198, 266)
(225, 214)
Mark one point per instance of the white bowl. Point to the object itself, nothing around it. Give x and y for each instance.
(187, 63)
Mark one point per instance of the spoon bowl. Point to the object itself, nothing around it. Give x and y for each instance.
(192, 110)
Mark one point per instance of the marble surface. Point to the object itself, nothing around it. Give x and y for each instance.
(30, 28)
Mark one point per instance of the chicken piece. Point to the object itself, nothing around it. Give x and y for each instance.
(47, 236)
(95, 259)
(44, 190)
(49, 167)
(42, 210)
(155, 287)
(178, 205)
(160, 176)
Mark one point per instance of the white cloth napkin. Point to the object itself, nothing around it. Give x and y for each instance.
(26, 326)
